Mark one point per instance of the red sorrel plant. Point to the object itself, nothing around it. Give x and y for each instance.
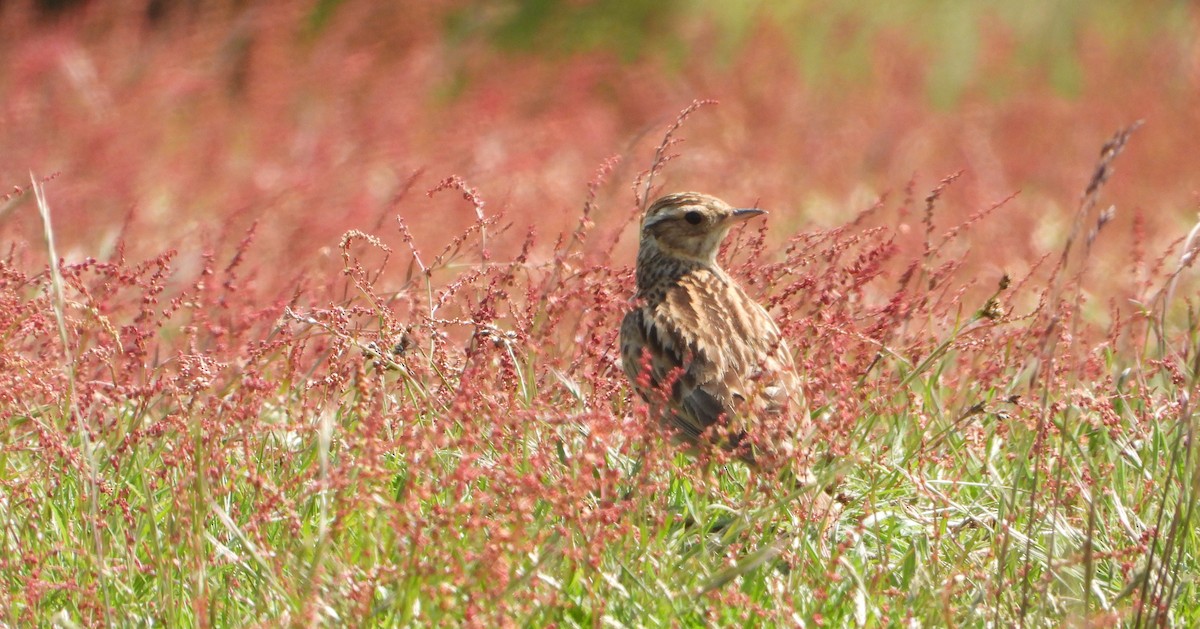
(253, 396)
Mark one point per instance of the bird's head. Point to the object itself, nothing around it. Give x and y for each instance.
(691, 225)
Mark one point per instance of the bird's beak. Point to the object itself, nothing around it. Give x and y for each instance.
(744, 213)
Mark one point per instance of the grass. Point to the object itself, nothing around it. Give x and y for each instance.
(266, 381)
(461, 448)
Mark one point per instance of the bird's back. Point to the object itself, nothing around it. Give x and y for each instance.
(729, 356)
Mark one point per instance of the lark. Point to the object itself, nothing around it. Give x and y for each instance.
(713, 350)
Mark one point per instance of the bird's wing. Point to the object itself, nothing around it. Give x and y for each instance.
(642, 334)
(729, 349)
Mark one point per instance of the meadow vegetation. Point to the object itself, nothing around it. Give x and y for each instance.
(309, 315)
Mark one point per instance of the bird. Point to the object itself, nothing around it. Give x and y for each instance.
(698, 346)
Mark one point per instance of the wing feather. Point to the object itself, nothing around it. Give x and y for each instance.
(729, 349)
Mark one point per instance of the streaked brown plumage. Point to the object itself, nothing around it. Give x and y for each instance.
(696, 321)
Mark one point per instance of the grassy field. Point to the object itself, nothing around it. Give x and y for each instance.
(330, 336)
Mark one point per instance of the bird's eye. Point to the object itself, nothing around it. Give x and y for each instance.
(693, 217)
